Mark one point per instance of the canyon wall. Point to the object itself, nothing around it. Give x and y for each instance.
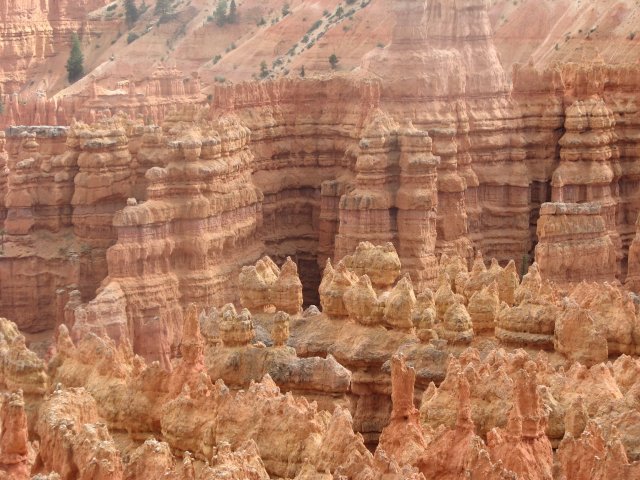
(467, 170)
(277, 278)
(34, 32)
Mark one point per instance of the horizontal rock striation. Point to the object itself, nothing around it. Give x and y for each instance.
(574, 243)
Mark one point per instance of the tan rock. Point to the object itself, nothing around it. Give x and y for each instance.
(483, 308)
(399, 304)
(265, 285)
(334, 285)
(362, 304)
(424, 316)
(73, 442)
(280, 332)
(457, 327)
(380, 263)
(236, 329)
(578, 336)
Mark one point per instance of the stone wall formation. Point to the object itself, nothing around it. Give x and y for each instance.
(423, 268)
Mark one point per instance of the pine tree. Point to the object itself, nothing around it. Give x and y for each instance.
(131, 12)
(264, 70)
(75, 67)
(333, 60)
(233, 12)
(221, 13)
(302, 71)
(162, 7)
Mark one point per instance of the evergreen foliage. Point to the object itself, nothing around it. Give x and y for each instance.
(233, 12)
(334, 60)
(162, 7)
(75, 63)
(221, 13)
(131, 12)
(264, 70)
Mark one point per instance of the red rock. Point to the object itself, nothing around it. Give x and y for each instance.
(16, 452)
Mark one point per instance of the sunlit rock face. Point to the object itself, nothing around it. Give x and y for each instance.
(411, 270)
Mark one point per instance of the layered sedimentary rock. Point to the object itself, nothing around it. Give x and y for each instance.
(310, 161)
(150, 99)
(205, 188)
(575, 244)
(97, 197)
(632, 280)
(531, 321)
(600, 121)
(63, 189)
(182, 207)
(589, 168)
(495, 415)
(37, 207)
(33, 33)
(467, 94)
(394, 198)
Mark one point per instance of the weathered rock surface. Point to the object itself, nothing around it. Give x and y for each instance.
(589, 255)
(265, 285)
(167, 196)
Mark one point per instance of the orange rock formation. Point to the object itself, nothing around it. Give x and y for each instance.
(165, 243)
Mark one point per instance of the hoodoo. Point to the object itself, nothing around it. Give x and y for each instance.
(319, 239)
